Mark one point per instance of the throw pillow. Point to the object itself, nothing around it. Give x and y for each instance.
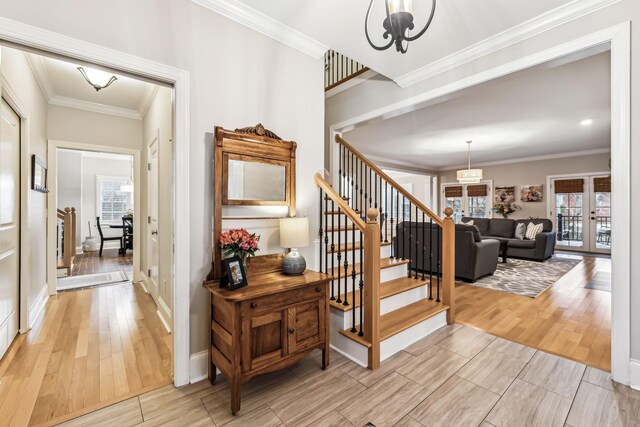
(533, 230)
(470, 222)
(521, 230)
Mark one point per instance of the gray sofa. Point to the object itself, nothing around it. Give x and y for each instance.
(475, 257)
(539, 249)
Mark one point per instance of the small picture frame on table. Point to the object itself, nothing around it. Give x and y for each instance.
(38, 175)
(235, 276)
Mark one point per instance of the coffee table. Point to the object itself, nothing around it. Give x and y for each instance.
(503, 251)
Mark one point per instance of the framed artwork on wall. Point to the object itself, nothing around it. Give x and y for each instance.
(504, 194)
(531, 193)
(38, 174)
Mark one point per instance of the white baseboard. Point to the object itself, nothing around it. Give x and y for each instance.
(143, 281)
(634, 374)
(198, 367)
(38, 305)
(164, 313)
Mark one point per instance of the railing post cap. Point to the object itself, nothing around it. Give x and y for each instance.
(448, 212)
(67, 210)
(372, 215)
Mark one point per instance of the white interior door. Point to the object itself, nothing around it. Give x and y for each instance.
(600, 213)
(465, 202)
(152, 220)
(9, 224)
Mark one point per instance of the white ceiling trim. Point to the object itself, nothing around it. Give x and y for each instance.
(530, 159)
(513, 35)
(40, 72)
(63, 101)
(350, 83)
(266, 25)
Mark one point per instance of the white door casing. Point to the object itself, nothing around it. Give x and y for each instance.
(152, 220)
(9, 224)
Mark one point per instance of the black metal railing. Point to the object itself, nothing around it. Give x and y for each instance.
(338, 69)
(569, 228)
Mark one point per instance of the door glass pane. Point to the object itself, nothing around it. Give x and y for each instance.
(603, 220)
(478, 207)
(569, 219)
(455, 203)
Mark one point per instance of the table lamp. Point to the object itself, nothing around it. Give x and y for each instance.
(294, 234)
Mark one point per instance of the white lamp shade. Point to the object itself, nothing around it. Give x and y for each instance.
(469, 175)
(294, 232)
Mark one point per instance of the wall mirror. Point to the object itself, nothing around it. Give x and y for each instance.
(254, 181)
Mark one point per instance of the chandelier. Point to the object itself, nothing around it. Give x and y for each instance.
(397, 24)
(469, 176)
(96, 78)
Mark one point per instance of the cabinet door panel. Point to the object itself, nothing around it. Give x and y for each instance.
(305, 325)
(264, 342)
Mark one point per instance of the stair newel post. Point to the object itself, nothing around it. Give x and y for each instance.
(333, 247)
(372, 287)
(448, 265)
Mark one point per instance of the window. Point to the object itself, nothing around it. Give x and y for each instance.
(112, 202)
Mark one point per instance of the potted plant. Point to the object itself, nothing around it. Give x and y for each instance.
(239, 242)
(505, 208)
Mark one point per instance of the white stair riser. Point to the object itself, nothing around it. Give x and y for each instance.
(349, 348)
(404, 339)
(386, 275)
(385, 252)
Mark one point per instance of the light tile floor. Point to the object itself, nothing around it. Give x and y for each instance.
(456, 377)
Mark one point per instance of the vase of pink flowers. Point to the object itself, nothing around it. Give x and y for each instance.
(505, 208)
(239, 242)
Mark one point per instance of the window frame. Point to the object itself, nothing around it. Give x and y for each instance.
(129, 198)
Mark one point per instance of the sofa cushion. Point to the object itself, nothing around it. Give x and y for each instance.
(472, 228)
(502, 228)
(521, 230)
(533, 230)
(481, 223)
(547, 225)
(525, 244)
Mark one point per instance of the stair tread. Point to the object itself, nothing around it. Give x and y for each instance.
(342, 228)
(349, 246)
(384, 263)
(387, 289)
(403, 318)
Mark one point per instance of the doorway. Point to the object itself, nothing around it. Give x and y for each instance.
(9, 225)
(581, 211)
(468, 200)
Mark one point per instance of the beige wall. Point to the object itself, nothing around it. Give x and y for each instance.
(158, 122)
(534, 173)
(15, 69)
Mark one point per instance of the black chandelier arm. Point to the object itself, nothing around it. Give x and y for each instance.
(433, 11)
(366, 31)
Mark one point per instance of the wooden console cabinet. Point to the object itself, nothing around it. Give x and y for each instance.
(272, 323)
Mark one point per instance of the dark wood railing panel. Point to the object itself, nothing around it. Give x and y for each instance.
(339, 69)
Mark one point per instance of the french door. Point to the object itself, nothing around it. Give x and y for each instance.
(581, 211)
(472, 200)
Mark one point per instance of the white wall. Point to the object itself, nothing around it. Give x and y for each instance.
(70, 187)
(534, 173)
(15, 69)
(376, 93)
(238, 78)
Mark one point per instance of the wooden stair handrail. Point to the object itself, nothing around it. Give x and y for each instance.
(342, 205)
(391, 182)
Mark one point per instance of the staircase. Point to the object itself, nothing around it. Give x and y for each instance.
(382, 298)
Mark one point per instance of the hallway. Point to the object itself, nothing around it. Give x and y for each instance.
(91, 348)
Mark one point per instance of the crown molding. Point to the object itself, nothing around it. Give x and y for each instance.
(511, 36)
(530, 159)
(258, 21)
(40, 73)
(63, 101)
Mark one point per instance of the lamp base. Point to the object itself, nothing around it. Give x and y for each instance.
(294, 263)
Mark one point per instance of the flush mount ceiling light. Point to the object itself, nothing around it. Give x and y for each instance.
(96, 78)
(469, 176)
(586, 122)
(397, 24)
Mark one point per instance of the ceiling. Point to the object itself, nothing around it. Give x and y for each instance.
(63, 85)
(531, 113)
(457, 25)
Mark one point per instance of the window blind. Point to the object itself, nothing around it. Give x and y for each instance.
(602, 185)
(477, 190)
(113, 202)
(569, 186)
(453, 191)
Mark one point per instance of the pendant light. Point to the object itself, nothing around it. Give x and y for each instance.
(469, 176)
(397, 24)
(96, 78)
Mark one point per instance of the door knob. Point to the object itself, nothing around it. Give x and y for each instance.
(593, 217)
(154, 232)
(291, 330)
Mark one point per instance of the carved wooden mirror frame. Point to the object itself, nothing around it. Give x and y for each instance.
(255, 142)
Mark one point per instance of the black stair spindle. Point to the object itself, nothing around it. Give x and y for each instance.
(431, 258)
(326, 236)
(320, 231)
(439, 264)
(340, 175)
(356, 198)
(361, 285)
(353, 165)
(393, 247)
(404, 228)
(375, 191)
(346, 262)
(424, 248)
(366, 191)
(417, 240)
(333, 247)
(362, 170)
(347, 168)
(397, 254)
(386, 209)
(410, 265)
(370, 188)
(339, 256)
(353, 276)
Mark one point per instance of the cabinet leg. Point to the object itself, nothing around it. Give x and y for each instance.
(212, 373)
(235, 397)
(325, 358)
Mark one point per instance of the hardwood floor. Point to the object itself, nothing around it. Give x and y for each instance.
(90, 348)
(91, 262)
(457, 376)
(567, 319)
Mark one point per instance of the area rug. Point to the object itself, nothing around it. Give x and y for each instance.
(600, 281)
(91, 280)
(527, 278)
